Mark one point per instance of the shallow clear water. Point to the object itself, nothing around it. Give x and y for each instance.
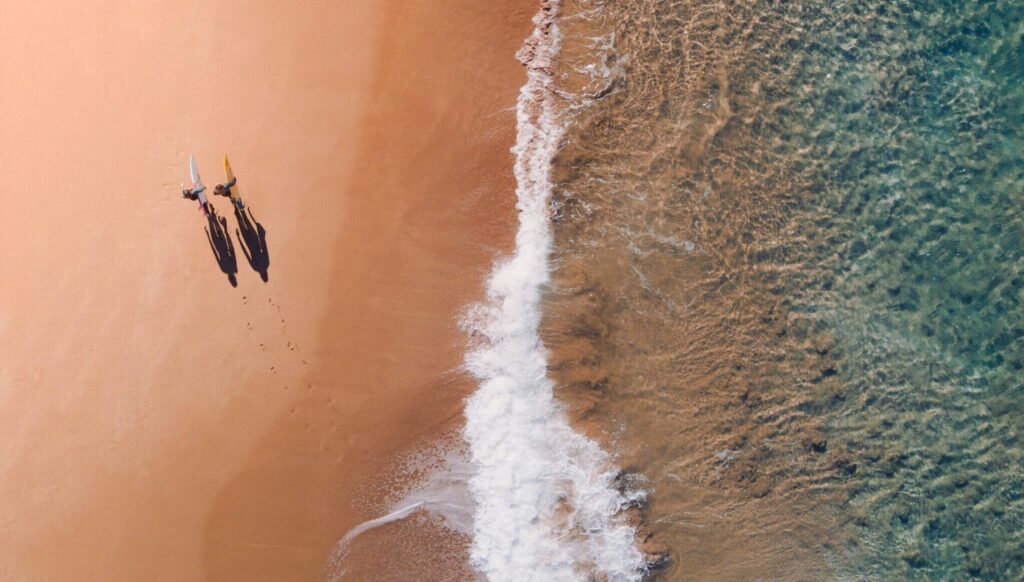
(790, 243)
(922, 185)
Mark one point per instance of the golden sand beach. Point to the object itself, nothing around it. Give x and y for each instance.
(159, 423)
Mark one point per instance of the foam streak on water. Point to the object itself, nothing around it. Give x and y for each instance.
(545, 505)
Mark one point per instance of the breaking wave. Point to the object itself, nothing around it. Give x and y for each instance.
(546, 507)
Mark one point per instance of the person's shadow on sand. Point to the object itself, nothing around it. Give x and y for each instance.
(253, 239)
(222, 247)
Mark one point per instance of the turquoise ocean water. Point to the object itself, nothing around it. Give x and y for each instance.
(800, 231)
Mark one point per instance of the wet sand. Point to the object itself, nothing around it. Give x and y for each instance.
(159, 423)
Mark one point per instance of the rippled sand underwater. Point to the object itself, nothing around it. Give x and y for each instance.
(789, 279)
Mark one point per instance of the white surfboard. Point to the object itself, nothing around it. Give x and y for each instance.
(197, 184)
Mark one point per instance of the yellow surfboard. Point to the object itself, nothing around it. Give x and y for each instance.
(236, 194)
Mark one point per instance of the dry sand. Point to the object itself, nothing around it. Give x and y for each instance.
(160, 424)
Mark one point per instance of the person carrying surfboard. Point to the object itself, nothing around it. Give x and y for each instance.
(196, 192)
(230, 188)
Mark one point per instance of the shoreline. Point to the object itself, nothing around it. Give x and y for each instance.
(548, 501)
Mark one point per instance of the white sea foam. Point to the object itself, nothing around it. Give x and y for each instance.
(545, 505)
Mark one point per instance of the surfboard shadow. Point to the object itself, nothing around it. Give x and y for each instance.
(252, 238)
(222, 247)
